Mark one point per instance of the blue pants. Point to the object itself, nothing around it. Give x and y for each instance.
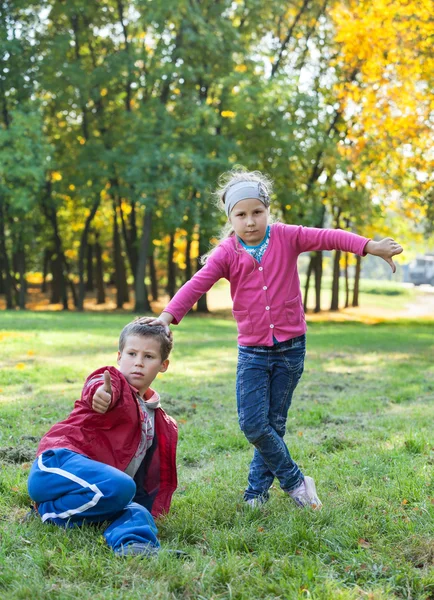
(71, 489)
(266, 380)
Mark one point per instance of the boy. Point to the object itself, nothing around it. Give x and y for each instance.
(114, 458)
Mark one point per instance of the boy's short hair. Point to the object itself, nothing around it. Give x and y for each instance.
(157, 332)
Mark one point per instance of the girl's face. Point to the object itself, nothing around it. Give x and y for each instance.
(249, 218)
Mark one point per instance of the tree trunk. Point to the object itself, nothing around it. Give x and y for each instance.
(45, 268)
(171, 267)
(153, 275)
(2, 282)
(142, 301)
(347, 284)
(58, 287)
(202, 304)
(89, 269)
(188, 269)
(120, 272)
(334, 305)
(83, 252)
(99, 275)
(59, 265)
(306, 287)
(318, 281)
(357, 280)
(21, 260)
(130, 235)
(7, 274)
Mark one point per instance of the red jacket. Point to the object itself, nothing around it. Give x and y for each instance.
(112, 438)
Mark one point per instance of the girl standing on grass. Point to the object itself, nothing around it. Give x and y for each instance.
(259, 260)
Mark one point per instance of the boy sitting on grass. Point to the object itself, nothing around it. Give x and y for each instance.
(114, 458)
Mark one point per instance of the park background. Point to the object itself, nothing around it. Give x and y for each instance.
(117, 117)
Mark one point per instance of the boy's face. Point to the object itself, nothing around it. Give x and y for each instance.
(140, 361)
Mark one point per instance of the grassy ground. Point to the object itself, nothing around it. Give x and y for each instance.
(360, 424)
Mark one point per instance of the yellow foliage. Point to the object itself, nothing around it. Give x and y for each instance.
(241, 68)
(385, 68)
(228, 114)
(56, 176)
(72, 187)
(104, 92)
(71, 253)
(126, 207)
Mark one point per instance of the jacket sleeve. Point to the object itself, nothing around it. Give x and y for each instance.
(216, 267)
(96, 379)
(312, 238)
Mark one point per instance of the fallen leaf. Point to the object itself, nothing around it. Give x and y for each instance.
(364, 543)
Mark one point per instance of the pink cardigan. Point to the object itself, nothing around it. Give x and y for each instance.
(266, 296)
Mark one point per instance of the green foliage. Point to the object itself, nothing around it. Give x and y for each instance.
(141, 105)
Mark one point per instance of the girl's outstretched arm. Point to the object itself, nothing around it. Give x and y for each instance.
(385, 249)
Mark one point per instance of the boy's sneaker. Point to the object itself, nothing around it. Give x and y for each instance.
(305, 494)
(29, 516)
(146, 550)
(137, 549)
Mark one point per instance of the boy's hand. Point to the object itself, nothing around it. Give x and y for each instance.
(103, 395)
(385, 249)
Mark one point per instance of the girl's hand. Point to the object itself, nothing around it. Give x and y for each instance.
(164, 320)
(385, 249)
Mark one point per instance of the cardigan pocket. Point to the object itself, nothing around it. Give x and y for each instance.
(244, 322)
(293, 311)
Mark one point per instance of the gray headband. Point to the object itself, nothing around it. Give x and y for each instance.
(244, 190)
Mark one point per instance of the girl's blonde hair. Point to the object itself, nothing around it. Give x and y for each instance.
(225, 181)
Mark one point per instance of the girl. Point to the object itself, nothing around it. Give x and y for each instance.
(259, 260)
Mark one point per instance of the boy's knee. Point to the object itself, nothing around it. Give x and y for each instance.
(35, 486)
(122, 491)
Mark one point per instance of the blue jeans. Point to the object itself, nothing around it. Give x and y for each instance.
(266, 379)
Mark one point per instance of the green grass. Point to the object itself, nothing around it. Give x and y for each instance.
(360, 424)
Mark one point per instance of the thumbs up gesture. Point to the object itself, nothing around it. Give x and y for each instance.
(103, 395)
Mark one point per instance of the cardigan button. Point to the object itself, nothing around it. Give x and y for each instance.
(261, 269)
(265, 287)
(267, 308)
(271, 326)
